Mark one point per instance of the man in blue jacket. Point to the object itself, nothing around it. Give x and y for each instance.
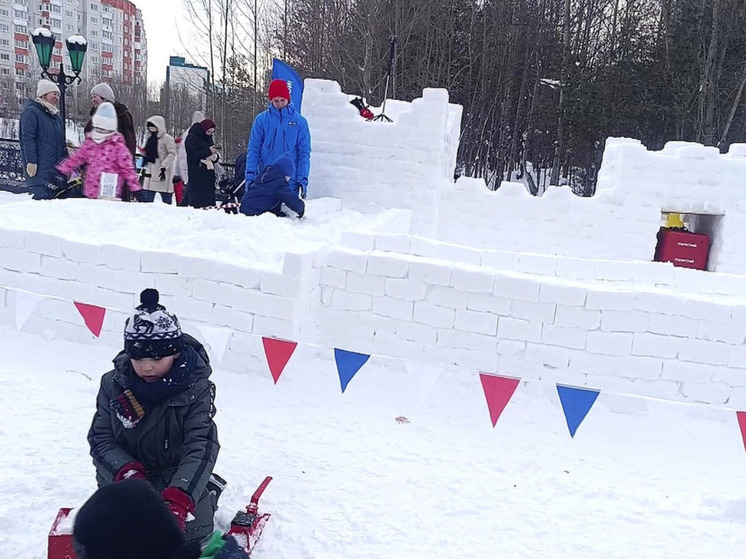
(278, 131)
(270, 190)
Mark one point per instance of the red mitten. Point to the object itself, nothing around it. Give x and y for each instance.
(131, 470)
(179, 503)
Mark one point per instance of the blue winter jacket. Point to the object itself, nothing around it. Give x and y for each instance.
(42, 141)
(270, 189)
(275, 133)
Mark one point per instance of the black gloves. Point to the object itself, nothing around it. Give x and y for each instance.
(162, 176)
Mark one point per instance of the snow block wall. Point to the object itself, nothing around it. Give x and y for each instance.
(621, 221)
(406, 298)
(373, 165)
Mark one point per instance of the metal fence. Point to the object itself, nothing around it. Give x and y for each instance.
(11, 168)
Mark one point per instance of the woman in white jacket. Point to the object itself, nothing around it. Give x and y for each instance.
(160, 155)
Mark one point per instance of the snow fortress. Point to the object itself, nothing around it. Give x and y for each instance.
(557, 288)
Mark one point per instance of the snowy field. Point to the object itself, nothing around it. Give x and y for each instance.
(640, 478)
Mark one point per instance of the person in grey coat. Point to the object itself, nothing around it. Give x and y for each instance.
(154, 417)
(42, 135)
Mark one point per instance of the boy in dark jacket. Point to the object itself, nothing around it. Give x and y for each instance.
(154, 414)
(271, 189)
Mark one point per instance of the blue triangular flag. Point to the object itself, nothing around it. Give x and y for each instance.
(576, 403)
(348, 363)
(283, 71)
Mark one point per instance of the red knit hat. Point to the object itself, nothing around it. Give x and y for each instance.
(279, 88)
(207, 124)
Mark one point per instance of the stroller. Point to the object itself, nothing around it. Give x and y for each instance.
(229, 194)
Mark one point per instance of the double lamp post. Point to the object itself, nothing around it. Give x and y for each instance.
(44, 41)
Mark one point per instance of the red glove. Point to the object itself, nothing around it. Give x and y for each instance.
(131, 470)
(179, 503)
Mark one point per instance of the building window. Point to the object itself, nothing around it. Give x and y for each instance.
(21, 29)
(4, 27)
(106, 34)
(68, 13)
(56, 9)
(94, 33)
(21, 58)
(3, 13)
(5, 71)
(94, 20)
(94, 7)
(19, 14)
(4, 43)
(21, 44)
(5, 56)
(57, 23)
(68, 27)
(20, 72)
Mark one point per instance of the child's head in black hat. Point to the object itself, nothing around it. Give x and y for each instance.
(152, 338)
(126, 520)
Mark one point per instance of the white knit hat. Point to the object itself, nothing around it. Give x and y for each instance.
(46, 86)
(105, 117)
(104, 91)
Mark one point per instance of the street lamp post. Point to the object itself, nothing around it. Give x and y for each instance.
(44, 40)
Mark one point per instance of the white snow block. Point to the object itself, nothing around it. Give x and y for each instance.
(430, 272)
(351, 261)
(101, 276)
(472, 281)
(386, 265)
(197, 268)
(41, 243)
(20, 260)
(120, 258)
(434, 315)
(58, 268)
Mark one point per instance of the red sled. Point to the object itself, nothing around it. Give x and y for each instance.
(60, 544)
(246, 527)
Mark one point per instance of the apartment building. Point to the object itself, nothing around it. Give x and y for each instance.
(117, 46)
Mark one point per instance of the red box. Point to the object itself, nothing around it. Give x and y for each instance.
(682, 248)
(61, 537)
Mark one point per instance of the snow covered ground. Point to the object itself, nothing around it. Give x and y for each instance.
(641, 478)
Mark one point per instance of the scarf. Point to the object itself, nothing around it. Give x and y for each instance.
(177, 380)
(99, 137)
(47, 105)
(151, 148)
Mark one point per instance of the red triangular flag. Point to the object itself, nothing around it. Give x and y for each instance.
(278, 354)
(741, 415)
(498, 391)
(93, 316)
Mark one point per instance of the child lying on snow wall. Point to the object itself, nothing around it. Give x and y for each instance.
(103, 151)
(271, 189)
(154, 417)
(129, 519)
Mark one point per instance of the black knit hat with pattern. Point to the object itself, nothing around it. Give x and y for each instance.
(152, 331)
(129, 520)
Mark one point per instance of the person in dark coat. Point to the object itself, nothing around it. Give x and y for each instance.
(271, 189)
(201, 158)
(154, 417)
(129, 519)
(42, 135)
(102, 92)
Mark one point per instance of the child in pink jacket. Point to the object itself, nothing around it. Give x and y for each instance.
(106, 156)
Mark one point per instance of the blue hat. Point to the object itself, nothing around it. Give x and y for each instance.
(285, 165)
